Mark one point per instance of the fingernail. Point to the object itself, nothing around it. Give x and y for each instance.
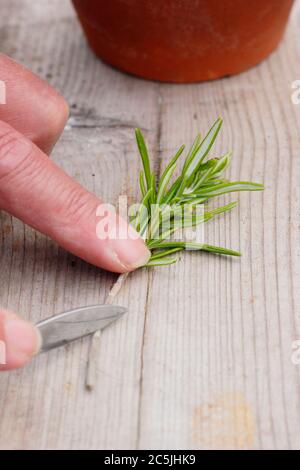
(130, 250)
(22, 338)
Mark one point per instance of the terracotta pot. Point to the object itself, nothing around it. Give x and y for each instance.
(183, 40)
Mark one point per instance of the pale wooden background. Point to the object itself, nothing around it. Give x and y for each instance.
(203, 359)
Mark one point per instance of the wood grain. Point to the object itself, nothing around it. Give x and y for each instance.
(203, 359)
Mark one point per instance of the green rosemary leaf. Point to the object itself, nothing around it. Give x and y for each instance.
(161, 262)
(162, 254)
(164, 181)
(192, 153)
(143, 214)
(168, 174)
(153, 187)
(202, 174)
(216, 167)
(207, 165)
(168, 244)
(172, 192)
(144, 155)
(212, 182)
(224, 188)
(193, 164)
(142, 183)
(223, 163)
(193, 200)
(191, 246)
(219, 210)
(172, 161)
(220, 251)
(145, 201)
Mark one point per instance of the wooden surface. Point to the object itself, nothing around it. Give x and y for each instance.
(203, 358)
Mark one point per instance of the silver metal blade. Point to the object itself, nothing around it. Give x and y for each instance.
(69, 326)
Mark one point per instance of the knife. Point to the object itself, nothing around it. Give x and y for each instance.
(69, 326)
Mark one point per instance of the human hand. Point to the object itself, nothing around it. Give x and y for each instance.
(38, 192)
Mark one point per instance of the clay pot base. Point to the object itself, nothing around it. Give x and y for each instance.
(215, 48)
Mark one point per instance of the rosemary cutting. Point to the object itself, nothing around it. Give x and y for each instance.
(170, 204)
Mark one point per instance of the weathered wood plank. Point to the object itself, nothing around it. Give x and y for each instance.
(217, 369)
(46, 405)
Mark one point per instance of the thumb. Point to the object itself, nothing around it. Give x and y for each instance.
(35, 190)
(19, 341)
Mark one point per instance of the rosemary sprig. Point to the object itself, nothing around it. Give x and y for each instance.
(200, 180)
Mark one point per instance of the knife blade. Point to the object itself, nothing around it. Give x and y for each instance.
(67, 327)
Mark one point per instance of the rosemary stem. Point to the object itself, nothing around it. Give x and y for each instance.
(200, 180)
(94, 351)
